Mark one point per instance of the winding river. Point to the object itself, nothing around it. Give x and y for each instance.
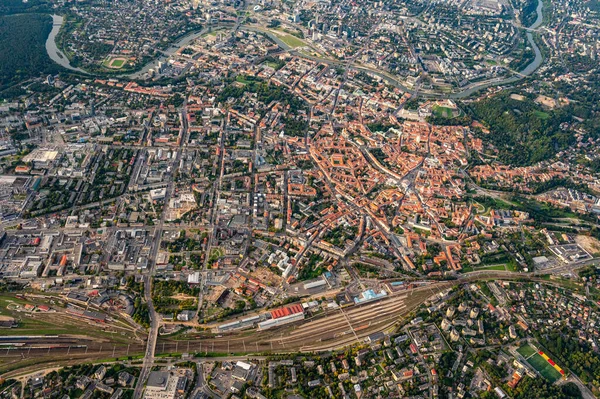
(529, 69)
(55, 54)
(184, 41)
(60, 58)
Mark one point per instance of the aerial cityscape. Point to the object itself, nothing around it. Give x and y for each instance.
(296, 199)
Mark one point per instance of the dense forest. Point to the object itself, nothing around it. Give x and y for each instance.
(22, 47)
(538, 388)
(8, 7)
(522, 131)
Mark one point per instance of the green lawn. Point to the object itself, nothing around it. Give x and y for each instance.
(443, 112)
(526, 351)
(117, 63)
(272, 64)
(544, 368)
(241, 79)
(218, 252)
(489, 203)
(501, 267)
(512, 266)
(291, 40)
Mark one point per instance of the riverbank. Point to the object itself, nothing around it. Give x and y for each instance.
(527, 71)
(60, 58)
(52, 49)
(183, 41)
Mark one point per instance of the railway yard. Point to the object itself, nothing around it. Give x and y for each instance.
(115, 338)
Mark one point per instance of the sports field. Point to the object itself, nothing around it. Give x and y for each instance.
(543, 367)
(115, 62)
(526, 351)
(443, 112)
(539, 363)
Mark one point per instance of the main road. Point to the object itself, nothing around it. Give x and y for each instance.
(152, 337)
(148, 361)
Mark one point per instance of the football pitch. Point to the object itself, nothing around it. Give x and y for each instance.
(115, 62)
(539, 363)
(526, 351)
(543, 367)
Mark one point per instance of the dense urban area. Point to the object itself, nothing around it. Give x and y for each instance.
(299, 199)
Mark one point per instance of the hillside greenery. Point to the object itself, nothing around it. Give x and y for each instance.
(522, 131)
(22, 48)
(8, 7)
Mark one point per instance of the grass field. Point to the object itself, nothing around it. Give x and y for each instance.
(118, 63)
(114, 63)
(443, 112)
(272, 64)
(526, 351)
(242, 79)
(501, 267)
(512, 267)
(544, 368)
(539, 363)
(218, 252)
(291, 40)
(542, 115)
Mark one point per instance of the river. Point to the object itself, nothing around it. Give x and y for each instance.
(528, 70)
(184, 41)
(58, 56)
(538, 54)
(55, 54)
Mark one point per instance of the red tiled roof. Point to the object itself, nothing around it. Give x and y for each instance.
(286, 311)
